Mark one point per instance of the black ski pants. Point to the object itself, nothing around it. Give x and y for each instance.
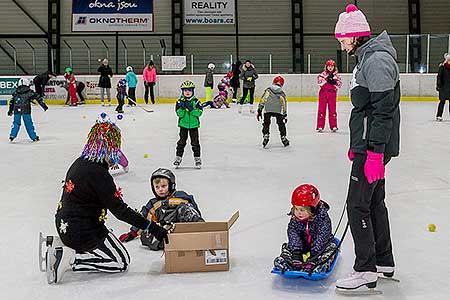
(280, 123)
(368, 218)
(195, 143)
(440, 110)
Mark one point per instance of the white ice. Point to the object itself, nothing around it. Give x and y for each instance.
(237, 175)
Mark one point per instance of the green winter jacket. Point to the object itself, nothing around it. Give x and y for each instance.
(188, 112)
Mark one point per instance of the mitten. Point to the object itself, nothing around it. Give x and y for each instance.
(129, 236)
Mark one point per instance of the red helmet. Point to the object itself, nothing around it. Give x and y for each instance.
(305, 195)
(330, 62)
(278, 80)
(230, 74)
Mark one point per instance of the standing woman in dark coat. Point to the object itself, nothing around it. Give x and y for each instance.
(443, 85)
(234, 81)
(104, 82)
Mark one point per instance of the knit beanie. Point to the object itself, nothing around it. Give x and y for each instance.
(352, 23)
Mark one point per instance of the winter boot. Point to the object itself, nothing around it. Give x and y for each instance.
(177, 161)
(198, 162)
(358, 279)
(386, 271)
(285, 141)
(58, 261)
(265, 140)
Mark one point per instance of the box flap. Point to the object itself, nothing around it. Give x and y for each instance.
(200, 227)
(188, 241)
(233, 219)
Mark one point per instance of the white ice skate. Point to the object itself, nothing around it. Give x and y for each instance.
(357, 282)
(439, 119)
(103, 103)
(386, 273)
(240, 108)
(58, 258)
(334, 129)
(198, 162)
(252, 111)
(320, 130)
(177, 161)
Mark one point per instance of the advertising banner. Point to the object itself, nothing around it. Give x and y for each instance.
(215, 12)
(173, 63)
(112, 15)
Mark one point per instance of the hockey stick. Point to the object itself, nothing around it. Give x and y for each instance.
(140, 106)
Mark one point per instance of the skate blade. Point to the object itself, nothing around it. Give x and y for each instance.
(361, 291)
(386, 278)
(43, 244)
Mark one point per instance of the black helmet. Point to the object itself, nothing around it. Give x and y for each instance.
(164, 173)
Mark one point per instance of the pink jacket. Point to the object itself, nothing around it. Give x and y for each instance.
(149, 76)
(322, 79)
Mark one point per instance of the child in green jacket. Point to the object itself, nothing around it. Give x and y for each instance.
(188, 109)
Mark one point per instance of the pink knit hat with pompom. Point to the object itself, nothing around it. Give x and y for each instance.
(352, 23)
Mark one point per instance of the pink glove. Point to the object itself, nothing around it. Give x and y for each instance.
(129, 236)
(350, 155)
(374, 166)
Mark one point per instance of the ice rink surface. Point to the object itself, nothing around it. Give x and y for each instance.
(237, 175)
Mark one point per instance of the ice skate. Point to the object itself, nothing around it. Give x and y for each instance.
(11, 139)
(233, 100)
(198, 162)
(252, 111)
(265, 140)
(58, 261)
(240, 109)
(386, 273)
(285, 141)
(126, 169)
(439, 119)
(177, 161)
(36, 139)
(109, 103)
(103, 103)
(334, 129)
(319, 130)
(356, 282)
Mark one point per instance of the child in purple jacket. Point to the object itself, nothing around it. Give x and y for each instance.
(309, 231)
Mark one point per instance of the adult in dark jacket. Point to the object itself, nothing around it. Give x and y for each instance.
(374, 140)
(234, 81)
(41, 80)
(20, 105)
(248, 76)
(104, 82)
(443, 85)
(88, 193)
(209, 82)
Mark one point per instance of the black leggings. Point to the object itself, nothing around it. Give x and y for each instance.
(149, 85)
(440, 110)
(244, 94)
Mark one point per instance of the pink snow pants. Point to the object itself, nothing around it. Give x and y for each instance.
(123, 161)
(327, 95)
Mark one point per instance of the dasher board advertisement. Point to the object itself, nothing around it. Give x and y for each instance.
(112, 15)
(215, 12)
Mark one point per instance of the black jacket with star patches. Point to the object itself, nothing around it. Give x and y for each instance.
(88, 192)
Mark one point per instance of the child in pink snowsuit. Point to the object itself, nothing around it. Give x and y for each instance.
(329, 81)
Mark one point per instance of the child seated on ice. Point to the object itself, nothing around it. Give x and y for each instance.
(169, 206)
(310, 244)
(219, 100)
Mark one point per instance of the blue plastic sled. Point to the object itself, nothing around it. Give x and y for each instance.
(305, 275)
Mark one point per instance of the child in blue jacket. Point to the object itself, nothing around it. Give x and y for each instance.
(132, 83)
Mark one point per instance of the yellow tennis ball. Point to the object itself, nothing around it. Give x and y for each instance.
(145, 155)
(432, 227)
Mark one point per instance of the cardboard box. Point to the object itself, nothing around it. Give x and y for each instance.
(199, 247)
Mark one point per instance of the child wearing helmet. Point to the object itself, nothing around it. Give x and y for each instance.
(274, 104)
(72, 85)
(132, 80)
(20, 106)
(121, 94)
(309, 233)
(209, 81)
(218, 101)
(329, 81)
(224, 83)
(167, 207)
(188, 109)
